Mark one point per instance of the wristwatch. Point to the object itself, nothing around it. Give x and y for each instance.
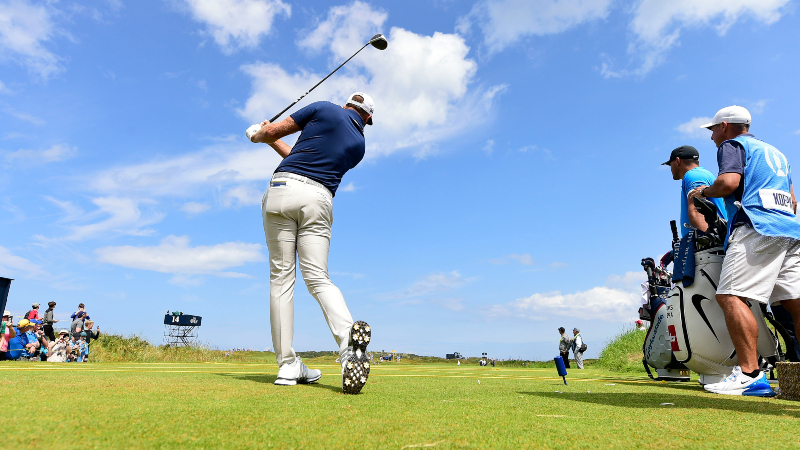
(703, 192)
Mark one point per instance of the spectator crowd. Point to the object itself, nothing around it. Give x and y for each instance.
(34, 338)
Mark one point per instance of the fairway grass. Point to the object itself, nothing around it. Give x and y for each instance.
(441, 406)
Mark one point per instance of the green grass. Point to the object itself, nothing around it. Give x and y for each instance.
(235, 406)
(624, 352)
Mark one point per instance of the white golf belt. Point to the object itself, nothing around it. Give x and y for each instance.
(294, 176)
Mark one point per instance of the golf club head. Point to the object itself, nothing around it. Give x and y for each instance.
(379, 41)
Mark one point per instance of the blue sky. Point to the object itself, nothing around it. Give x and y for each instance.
(511, 185)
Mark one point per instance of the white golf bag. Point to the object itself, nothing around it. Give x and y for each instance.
(699, 337)
(688, 328)
(657, 347)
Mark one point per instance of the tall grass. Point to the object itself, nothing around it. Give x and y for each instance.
(118, 348)
(624, 352)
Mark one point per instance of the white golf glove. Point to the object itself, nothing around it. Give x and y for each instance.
(252, 130)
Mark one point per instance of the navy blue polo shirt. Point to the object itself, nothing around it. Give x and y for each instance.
(731, 159)
(331, 143)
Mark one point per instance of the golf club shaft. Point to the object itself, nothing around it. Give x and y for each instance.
(315, 86)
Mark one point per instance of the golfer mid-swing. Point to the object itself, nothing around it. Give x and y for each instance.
(298, 213)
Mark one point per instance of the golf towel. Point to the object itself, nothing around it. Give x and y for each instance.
(684, 261)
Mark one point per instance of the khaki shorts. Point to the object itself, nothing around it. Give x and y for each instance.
(760, 268)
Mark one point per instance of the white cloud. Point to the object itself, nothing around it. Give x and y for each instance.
(345, 24)
(237, 24)
(349, 187)
(504, 22)
(692, 127)
(617, 301)
(558, 265)
(58, 152)
(524, 258)
(194, 208)
(24, 116)
(489, 147)
(116, 215)
(24, 29)
(420, 84)
(223, 166)
(453, 304)
(242, 196)
(435, 282)
(12, 265)
(657, 25)
(174, 255)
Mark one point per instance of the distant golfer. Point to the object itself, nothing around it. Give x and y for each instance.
(763, 243)
(297, 210)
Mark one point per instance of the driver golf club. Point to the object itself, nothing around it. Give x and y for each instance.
(378, 41)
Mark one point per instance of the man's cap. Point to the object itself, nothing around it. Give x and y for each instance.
(368, 106)
(683, 152)
(35, 305)
(51, 303)
(64, 331)
(6, 313)
(36, 322)
(80, 314)
(576, 330)
(730, 114)
(24, 323)
(83, 333)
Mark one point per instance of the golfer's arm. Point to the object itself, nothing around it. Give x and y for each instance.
(281, 147)
(271, 132)
(695, 218)
(724, 185)
(794, 200)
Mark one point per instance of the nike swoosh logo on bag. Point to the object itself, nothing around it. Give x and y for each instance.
(696, 299)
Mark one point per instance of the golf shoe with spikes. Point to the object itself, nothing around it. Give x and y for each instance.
(355, 364)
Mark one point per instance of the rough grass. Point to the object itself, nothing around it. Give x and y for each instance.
(441, 406)
(118, 348)
(624, 352)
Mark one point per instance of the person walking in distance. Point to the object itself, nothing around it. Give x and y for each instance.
(563, 346)
(297, 211)
(578, 348)
(762, 245)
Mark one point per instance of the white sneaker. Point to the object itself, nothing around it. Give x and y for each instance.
(296, 372)
(738, 383)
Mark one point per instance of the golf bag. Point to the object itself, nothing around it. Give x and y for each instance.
(697, 334)
(657, 348)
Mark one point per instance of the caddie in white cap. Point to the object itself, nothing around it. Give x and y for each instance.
(762, 244)
(297, 211)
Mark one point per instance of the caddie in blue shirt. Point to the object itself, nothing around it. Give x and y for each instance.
(763, 243)
(297, 212)
(684, 162)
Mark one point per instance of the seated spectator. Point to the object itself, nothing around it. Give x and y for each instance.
(7, 332)
(84, 348)
(33, 314)
(74, 348)
(60, 348)
(44, 343)
(30, 343)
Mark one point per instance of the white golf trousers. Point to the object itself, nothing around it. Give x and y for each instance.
(297, 220)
